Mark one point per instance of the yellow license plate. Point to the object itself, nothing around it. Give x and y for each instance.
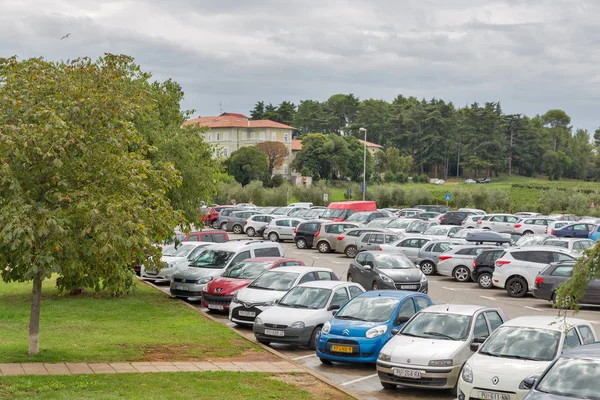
(341, 349)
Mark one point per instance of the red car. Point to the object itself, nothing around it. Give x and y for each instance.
(220, 291)
(207, 236)
(211, 218)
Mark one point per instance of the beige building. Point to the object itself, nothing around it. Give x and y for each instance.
(229, 131)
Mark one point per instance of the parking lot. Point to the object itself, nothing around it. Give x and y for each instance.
(362, 379)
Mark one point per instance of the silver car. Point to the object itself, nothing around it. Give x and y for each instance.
(498, 222)
(529, 226)
(441, 231)
(407, 226)
(574, 245)
(327, 237)
(471, 221)
(428, 256)
(457, 262)
(372, 240)
(346, 243)
(280, 229)
(410, 246)
(256, 222)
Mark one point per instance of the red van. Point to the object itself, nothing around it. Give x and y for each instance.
(340, 210)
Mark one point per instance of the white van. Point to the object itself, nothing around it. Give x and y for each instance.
(301, 205)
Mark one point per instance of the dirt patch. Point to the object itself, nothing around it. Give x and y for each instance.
(315, 387)
(180, 352)
(249, 356)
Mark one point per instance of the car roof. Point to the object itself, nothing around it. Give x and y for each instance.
(462, 309)
(545, 322)
(392, 294)
(327, 284)
(561, 239)
(366, 228)
(471, 246)
(586, 351)
(284, 217)
(208, 232)
(270, 259)
(300, 269)
(537, 248)
(234, 245)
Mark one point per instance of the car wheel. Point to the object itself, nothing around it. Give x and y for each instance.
(427, 268)
(312, 344)
(350, 278)
(301, 243)
(237, 229)
(486, 229)
(215, 224)
(388, 386)
(325, 361)
(516, 287)
(461, 274)
(273, 237)
(323, 247)
(528, 233)
(223, 226)
(375, 286)
(250, 232)
(351, 251)
(265, 342)
(561, 306)
(485, 280)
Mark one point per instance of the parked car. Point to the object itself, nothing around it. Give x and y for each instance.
(454, 217)
(564, 217)
(457, 262)
(237, 220)
(301, 205)
(471, 221)
(282, 211)
(408, 212)
(517, 268)
(484, 180)
(364, 217)
(280, 229)
(269, 287)
(556, 225)
(363, 326)
(427, 216)
(247, 205)
(212, 262)
(554, 275)
(212, 216)
(475, 211)
(346, 243)
(301, 313)
(483, 267)
(518, 349)
(435, 208)
(409, 246)
(441, 231)
(577, 230)
(304, 234)
(532, 240)
(313, 213)
(469, 181)
(220, 291)
(376, 270)
(571, 244)
(224, 216)
(380, 222)
(372, 240)
(174, 261)
(430, 350)
(569, 377)
(340, 210)
(256, 223)
(327, 237)
(595, 234)
(526, 214)
(498, 222)
(209, 235)
(428, 255)
(529, 226)
(408, 226)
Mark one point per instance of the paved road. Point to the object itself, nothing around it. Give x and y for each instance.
(363, 379)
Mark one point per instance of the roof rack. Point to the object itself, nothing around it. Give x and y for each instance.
(488, 237)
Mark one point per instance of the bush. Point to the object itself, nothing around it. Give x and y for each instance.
(401, 177)
(383, 196)
(418, 196)
(398, 196)
(390, 177)
(312, 194)
(462, 198)
(277, 181)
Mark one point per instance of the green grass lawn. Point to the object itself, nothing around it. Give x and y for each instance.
(96, 327)
(177, 385)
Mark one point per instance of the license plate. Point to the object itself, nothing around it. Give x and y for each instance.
(408, 287)
(407, 373)
(493, 396)
(215, 307)
(273, 332)
(341, 349)
(181, 287)
(247, 314)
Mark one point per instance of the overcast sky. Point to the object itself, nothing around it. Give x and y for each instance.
(531, 55)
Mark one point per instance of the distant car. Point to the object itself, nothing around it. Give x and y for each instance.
(428, 255)
(281, 228)
(327, 237)
(457, 262)
(427, 216)
(529, 226)
(483, 267)
(454, 217)
(475, 211)
(527, 214)
(209, 235)
(564, 217)
(346, 243)
(301, 205)
(175, 261)
(576, 230)
(380, 222)
(442, 231)
(372, 240)
(364, 325)
(439, 182)
(376, 270)
(554, 275)
(484, 180)
(407, 225)
(556, 225)
(595, 234)
(574, 245)
(498, 222)
(469, 181)
(471, 221)
(408, 212)
(532, 240)
(256, 223)
(434, 208)
(237, 220)
(410, 246)
(304, 234)
(224, 215)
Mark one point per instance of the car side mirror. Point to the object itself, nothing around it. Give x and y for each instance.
(528, 382)
(479, 340)
(402, 320)
(451, 235)
(395, 331)
(474, 346)
(333, 307)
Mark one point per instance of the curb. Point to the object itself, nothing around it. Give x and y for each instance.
(316, 375)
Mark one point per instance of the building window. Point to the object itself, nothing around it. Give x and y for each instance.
(286, 169)
(273, 136)
(262, 136)
(217, 153)
(253, 135)
(209, 137)
(285, 137)
(226, 136)
(244, 135)
(218, 136)
(225, 151)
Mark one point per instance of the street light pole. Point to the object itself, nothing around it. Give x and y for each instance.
(364, 163)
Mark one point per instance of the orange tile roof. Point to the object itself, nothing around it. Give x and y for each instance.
(296, 145)
(234, 115)
(231, 121)
(369, 144)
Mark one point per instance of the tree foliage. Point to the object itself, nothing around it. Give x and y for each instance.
(276, 153)
(248, 164)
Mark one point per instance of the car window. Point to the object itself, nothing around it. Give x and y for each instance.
(494, 319)
(464, 251)
(340, 297)
(218, 238)
(282, 222)
(530, 221)
(324, 276)
(586, 244)
(360, 258)
(429, 248)
(353, 233)
(422, 303)
(294, 223)
(289, 264)
(267, 252)
(441, 247)
(365, 238)
(408, 243)
(192, 238)
(481, 329)
(511, 220)
(455, 229)
(586, 334)
(492, 256)
(240, 257)
(390, 238)
(369, 260)
(580, 227)
(355, 291)
(497, 218)
(559, 257)
(541, 257)
(309, 277)
(563, 270)
(571, 339)
(407, 309)
(377, 238)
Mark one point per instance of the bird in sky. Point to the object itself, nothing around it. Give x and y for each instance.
(66, 36)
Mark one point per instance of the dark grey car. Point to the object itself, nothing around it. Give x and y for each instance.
(237, 220)
(554, 275)
(376, 270)
(224, 215)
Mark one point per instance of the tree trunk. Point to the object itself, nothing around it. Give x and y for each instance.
(34, 318)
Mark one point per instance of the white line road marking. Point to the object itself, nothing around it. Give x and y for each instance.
(457, 289)
(303, 357)
(316, 258)
(534, 309)
(336, 262)
(364, 378)
(486, 297)
(447, 288)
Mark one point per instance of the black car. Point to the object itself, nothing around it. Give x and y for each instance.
(434, 208)
(454, 217)
(484, 180)
(304, 234)
(483, 267)
(554, 275)
(574, 375)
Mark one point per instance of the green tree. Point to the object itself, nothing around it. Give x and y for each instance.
(286, 113)
(557, 123)
(310, 117)
(597, 137)
(259, 111)
(248, 164)
(78, 196)
(323, 156)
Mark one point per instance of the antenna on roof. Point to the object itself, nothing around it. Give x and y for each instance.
(451, 300)
(220, 108)
(313, 263)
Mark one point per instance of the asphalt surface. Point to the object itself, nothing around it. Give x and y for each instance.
(362, 379)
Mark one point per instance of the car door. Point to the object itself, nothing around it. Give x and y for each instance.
(494, 319)
(572, 340)
(369, 275)
(362, 242)
(509, 223)
(586, 334)
(375, 241)
(339, 298)
(282, 227)
(580, 231)
(289, 230)
(410, 247)
(405, 312)
(481, 329)
(240, 257)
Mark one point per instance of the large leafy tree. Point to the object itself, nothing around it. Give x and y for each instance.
(78, 195)
(276, 153)
(248, 164)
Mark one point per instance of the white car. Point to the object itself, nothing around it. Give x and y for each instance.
(457, 262)
(471, 221)
(521, 348)
(175, 259)
(298, 317)
(256, 222)
(536, 225)
(575, 245)
(476, 211)
(469, 181)
(271, 286)
(445, 231)
(439, 182)
(516, 269)
(409, 246)
(498, 222)
(407, 225)
(435, 344)
(556, 225)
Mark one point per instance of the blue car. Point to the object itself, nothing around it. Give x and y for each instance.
(577, 230)
(363, 326)
(595, 235)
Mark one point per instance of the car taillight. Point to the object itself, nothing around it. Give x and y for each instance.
(380, 249)
(246, 222)
(478, 222)
(539, 280)
(518, 225)
(546, 231)
(341, 237)
(500, 263)
(553, 232)
(295, 230)
(474, 264)
(442, 219)
(317, 233)
(442, 258)
(228, 219)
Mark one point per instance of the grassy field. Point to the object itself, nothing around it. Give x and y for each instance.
(189, 385)
(96, 327)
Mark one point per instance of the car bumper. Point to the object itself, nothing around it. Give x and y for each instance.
(213, 301)
(290, 335)
(422, 287)
(363, 350)
(544, 294)
(244, 314)
(444, 269)
(472, 391)
(187, 290)
(431, 377)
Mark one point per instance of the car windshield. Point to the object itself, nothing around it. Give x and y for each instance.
(335, 213)
(194, 253)
(573, 378)
(306, 297)
(393, 261)
(181, 251)
(312, 213)
(378, 223)
(557, 243)
(370, 309)
(246, 270)
(214, 259)
(281, 211)
(438, 326)
(522, 343)
(274, 280)
(436, 231)
(358, 217)
(530, 240)
(399, 224)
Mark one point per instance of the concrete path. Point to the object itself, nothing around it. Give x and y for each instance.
(143, 367)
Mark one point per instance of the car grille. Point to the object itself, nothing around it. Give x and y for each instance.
(216, 300)
(275, 326)
(184, 280)
(433, 382)
(236, 313)
(185, 293)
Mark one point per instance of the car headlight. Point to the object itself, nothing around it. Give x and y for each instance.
(258, 321)
(440, 363)
(297, 325)
(533, 377)
(467, 374)
(235, 298)
(326, 328)
(376, 331)
(384, 357)
(204, 280)
(423, 277)
(386, 278)
(270, 303)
